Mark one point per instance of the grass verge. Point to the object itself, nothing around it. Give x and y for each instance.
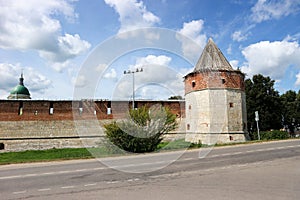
(44, 155)
(177, 144)
(86, 153)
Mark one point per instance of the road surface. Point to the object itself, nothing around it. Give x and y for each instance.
(255, 171)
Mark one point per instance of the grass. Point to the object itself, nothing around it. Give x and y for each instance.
(84, 153)
(177, 144)
(44, 155)
(75, 153)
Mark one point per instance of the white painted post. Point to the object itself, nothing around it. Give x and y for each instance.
(257, 119)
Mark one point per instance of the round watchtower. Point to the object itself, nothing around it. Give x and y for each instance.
(215, 100)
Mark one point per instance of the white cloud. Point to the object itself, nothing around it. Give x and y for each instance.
(34, 25)
(271, 58)
(193, 31)
(111, 75)
(266, 9)
(133, 14)
(34, 81)
(157, 77)
(69, 46)
(238, 36)
(155, 68)
(297, 83)
(234, 64)
(294, 37)
(60, 66)
(154, 60)
(79, 81)
(229, 49)
(72, 45)
(100, 67)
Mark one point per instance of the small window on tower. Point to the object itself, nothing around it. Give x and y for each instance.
(223, 81)
(231, 105)
(193, 83)
(190, 107)
(188, 126)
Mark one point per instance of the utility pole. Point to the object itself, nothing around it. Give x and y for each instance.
(133, 88)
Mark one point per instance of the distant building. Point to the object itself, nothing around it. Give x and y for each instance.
(20, 91)
(215, 100)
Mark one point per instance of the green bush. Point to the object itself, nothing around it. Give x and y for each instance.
(270, 135)
(142, 131)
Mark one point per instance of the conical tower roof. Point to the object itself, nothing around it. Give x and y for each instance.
(212, 59)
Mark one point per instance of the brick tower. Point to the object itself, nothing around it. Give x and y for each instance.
(215, 100)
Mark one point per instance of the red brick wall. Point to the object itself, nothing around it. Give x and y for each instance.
(35, 110)
(214, 79)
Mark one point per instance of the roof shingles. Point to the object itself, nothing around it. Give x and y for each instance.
(212, 59)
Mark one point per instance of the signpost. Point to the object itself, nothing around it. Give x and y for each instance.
(257, 119)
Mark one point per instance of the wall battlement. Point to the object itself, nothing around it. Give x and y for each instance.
(44, 124)
(35, 110)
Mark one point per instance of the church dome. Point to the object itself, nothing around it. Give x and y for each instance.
(20, 91)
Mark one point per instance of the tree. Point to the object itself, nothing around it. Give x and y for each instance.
(178, 97)
(291, 109)
(143, 130)
(262, 97)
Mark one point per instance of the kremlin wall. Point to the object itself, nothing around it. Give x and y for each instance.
(214, 111)
(27, 124)
(43, 124)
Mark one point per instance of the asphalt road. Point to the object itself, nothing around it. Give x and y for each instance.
(257, 171)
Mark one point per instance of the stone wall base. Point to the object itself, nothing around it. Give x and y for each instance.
(41, 144)
(23, 144)
(211, 139)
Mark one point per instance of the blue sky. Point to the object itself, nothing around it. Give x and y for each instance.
(53, 41)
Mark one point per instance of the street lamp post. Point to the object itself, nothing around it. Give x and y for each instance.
(133, 89)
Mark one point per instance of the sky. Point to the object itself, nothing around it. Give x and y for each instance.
(73, 49)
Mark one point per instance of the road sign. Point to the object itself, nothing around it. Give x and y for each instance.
(256, 116)
(257, 119)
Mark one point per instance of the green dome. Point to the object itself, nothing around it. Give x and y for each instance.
(20, 89)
